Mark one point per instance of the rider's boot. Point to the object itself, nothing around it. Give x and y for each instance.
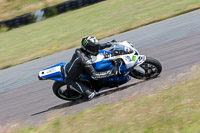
(90, 95)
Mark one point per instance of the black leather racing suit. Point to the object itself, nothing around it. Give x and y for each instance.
(81, 62)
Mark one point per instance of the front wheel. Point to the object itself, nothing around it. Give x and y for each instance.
(62, 91)
(152, 68)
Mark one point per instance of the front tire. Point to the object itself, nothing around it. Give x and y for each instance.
(61, 90)
(152, 68)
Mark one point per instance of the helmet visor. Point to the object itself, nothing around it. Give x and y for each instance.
(93, 49)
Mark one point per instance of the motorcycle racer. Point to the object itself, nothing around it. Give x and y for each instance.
(81, 62)
(91, 69)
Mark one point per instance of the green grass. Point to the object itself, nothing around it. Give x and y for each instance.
(13, 8)
(66, 30)
(173, 110)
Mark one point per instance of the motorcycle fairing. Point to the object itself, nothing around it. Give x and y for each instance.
(103, 65)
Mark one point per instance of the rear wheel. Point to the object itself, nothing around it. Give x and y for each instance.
(62, 91)
(152, 68)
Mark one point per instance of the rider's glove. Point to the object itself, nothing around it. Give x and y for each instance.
(107, 55)
(108, 44)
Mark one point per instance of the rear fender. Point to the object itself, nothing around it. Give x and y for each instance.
(53, 73)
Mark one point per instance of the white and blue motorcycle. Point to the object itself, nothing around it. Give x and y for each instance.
(129, 62)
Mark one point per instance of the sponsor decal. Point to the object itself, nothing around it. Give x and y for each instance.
(85, 42)
(128, 58)
(133, 58)
(117, 56)
(126, 49)
(140, 58)
(50, 71)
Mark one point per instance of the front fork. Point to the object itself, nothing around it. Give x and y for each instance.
(139, 69)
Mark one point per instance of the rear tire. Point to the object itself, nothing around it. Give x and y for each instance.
(152, 69)
(61, 90)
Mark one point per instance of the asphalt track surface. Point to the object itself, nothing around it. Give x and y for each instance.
(174, 42)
